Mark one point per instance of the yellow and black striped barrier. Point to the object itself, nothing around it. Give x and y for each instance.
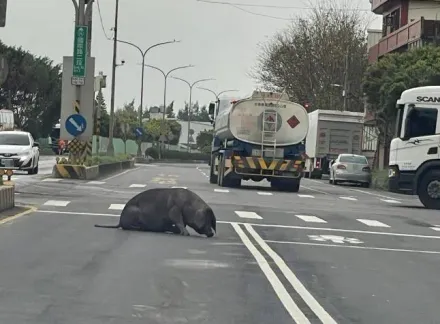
(258, 163)
(69, 171)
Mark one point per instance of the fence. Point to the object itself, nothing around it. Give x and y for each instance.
(130, 147)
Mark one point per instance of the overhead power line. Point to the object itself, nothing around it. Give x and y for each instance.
(102, 21)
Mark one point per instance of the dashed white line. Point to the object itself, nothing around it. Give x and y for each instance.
(247, 214)
(312, 189)
(311, 219)
(306, 196)
(96, 182)
(348, 198)
(373, 223)
(175, 187)
(117, 206)
(263, 193)
(135, 185)
(221, 190)
(57, 203)
(391, 201)
(436, 228)
(51, 179)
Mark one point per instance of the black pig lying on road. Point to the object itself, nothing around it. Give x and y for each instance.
(167, 210)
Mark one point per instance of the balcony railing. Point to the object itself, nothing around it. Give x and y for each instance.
(400, 38)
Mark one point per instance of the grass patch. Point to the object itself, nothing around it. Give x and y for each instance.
(380, 179)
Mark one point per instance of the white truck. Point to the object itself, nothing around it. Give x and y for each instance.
(331, 132)
(414, 160)
(258, 137)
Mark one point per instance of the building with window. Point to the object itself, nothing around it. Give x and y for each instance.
(405, 24)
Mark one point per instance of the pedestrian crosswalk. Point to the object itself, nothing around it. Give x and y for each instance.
(299, 219)
(264, 192)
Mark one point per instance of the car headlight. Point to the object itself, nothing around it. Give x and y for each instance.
(24, 153)
(391, 172)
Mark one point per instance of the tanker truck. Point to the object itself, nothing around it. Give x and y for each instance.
(258, 137)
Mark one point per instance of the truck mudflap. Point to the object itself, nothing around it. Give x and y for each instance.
(251, 165)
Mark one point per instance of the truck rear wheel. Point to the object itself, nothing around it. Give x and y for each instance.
(429, 190)
(213, 178)
(285, 185)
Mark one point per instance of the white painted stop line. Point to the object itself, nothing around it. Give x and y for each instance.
(246, 214)
(311, 219)
(373, 223)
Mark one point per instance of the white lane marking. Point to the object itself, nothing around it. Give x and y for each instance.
(348, 198)
(436, 228)
(134, 185)
(306, 196)
(96, 182)
(335, 239)
(262, 193)
(391, 201)
(374, 194)
(175, 187)
(247, 214)
(52, 179)
(57, 203)
(435, 237)
(221, 190)
(281, 291)
(311, 219)
(354, 247)
(320, 312)
(117, 206)
(311, 189)
(119, 174)
(373, 223)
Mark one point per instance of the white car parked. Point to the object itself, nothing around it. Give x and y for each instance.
(19, 151)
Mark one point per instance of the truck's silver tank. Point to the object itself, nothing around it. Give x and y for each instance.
(243, 120)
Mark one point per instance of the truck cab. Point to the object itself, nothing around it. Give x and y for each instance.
(414, 166)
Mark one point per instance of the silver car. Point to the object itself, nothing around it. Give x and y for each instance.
(19, 151)
(350, 168)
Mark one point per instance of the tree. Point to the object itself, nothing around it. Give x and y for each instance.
(170, 110)
(203, 115)
(204, 140)
(386, 79)
(153, 129)
(197, 113)
(182, 114)
(126, 120)
(307, 59)
(32, 90)
(105, 117)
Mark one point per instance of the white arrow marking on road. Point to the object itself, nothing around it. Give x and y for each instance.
(348, 198)
(74, 123)
(335, 239)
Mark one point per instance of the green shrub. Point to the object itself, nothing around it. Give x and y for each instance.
(380, 179)
(153, 152)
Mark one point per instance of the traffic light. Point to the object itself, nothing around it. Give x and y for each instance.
(3, 5)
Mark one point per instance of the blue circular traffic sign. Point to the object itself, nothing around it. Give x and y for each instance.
(76, 124)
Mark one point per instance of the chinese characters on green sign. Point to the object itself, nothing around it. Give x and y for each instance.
(80, 51)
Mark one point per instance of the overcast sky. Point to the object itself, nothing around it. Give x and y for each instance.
(221, 40)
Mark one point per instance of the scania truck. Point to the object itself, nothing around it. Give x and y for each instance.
(414, 160)
(258, 137)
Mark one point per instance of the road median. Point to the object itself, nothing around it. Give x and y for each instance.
(93, 169)
(7, 196)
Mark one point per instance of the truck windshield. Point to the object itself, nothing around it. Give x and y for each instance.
(353, 159)
(421, 121)
(399, 120)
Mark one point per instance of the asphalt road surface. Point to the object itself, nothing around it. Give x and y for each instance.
(329, 254)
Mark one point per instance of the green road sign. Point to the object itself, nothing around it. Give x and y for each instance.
(80, 51)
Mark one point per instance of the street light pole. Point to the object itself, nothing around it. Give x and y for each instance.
(191, 85)
(165, 75)
(217, 95)
(143, 54)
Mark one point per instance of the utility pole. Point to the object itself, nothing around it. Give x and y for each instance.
(110, 147)
(346, 90)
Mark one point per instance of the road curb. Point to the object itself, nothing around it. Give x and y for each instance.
(7, 197)
(22, 211)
